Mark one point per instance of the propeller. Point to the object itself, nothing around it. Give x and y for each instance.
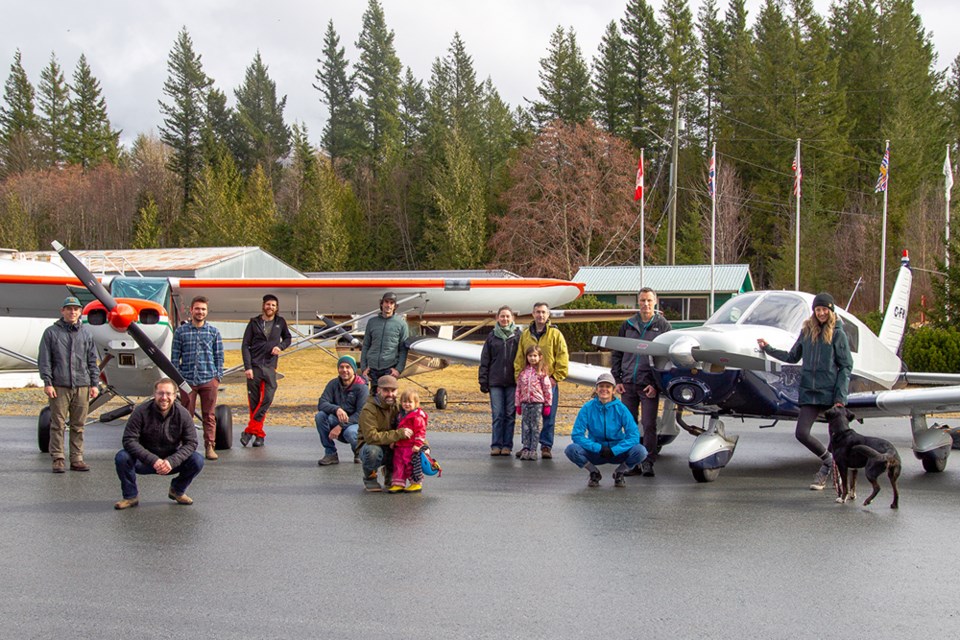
(737, 360)
(631, 345)
(121, 317)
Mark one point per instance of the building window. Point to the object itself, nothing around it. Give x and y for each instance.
(685, 308)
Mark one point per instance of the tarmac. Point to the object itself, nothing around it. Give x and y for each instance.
(277, 547)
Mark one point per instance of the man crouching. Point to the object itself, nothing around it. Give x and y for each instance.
(159, 438)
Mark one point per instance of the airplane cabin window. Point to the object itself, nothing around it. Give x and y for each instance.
(853, 336)
(781, 310)
(732, 310)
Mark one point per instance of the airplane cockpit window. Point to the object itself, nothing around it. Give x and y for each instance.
(155, 289)
(733, 309)
(781, 310)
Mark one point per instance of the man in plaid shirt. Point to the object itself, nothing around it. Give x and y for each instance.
(197, 353)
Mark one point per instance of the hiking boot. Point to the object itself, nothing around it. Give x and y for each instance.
(545, 452)
(126, 503)
(245, 438)
(505, 451)
(594, 480)
(646, 468)
(79, 465)
(495, 451)
(618, 480)
(210, 452)
(414, 487)
(371, 485)
(634, 471)
(180, 498)
(330, 458)
(258, 441)
(59, 466)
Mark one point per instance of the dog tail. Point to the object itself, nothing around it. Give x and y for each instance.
(873, 454)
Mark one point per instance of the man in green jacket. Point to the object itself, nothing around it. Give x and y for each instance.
(378, 430)
(384, 351)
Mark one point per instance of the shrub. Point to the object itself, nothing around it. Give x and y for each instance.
(932, 349)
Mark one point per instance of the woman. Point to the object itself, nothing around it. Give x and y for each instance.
(497, 378)
(826, 375)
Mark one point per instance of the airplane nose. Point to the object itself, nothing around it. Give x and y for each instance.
(681, 352)
(121, 316)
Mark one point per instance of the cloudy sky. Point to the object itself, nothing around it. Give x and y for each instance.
(127, 42)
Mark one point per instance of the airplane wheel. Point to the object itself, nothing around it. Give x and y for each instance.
(43, 430)
(224, 427)
(934, 464)
(440, 399)
(705, 475)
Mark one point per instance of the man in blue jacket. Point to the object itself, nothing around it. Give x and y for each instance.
(605, 433)
(338, 411)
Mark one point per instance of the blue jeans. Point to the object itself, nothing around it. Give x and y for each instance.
(327, 421)
(546, 432)
(373, 456)
(504, 411)
(128, 468)
(580, 456)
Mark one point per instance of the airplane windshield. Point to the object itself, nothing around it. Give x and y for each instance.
(733, 309)
(155, 289)
(781, 310)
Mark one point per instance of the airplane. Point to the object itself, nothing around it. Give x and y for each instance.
(718, 370)
(133, 321)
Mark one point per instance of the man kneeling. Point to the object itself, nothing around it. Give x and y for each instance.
(159, 438)
(605, 433)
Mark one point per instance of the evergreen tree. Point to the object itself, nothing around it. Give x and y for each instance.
(497, 139)
(712, 47)
(681, 56)
(19, 127)
(336, 86)
(215, 216)
(565, 87)
(147, 233)
(611, 83)
(413, 109)
(184, 117)
(644, 38)
(90, 140)
(257, 225)
(16, 228)
(53, 97)
(952, 102)
(378, 80)
(220, 128)
(264, 138)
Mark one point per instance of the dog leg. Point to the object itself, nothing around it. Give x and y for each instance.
(893, 472)
(853, 485)
(876, 490)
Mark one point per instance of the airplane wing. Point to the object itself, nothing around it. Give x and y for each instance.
(924, 378)
(469, 353)
(905, 402)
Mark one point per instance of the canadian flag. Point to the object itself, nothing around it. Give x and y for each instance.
(638, 193)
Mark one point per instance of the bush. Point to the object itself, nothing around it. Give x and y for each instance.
(578, 334)
(932, 349)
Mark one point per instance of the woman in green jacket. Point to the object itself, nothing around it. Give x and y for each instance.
(825, 376)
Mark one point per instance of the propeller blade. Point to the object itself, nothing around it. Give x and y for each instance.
(83, 274)
(157, 356)
(736, 360)
(631, 345)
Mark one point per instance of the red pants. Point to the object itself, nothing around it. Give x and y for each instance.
(402, 464)
(208, 404)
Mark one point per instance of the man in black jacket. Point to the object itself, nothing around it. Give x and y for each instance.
(634, 375)
(159, 438)
(265, 337)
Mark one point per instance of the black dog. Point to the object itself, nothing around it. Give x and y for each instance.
(853, 451)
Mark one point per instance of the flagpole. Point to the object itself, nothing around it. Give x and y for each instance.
(947, 186)
(796, 249)
(642, 223)
(883, 241)
(713, 228)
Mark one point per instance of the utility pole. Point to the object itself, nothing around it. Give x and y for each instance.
(672, 221)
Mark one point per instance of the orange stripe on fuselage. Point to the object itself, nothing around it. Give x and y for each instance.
(44, 280)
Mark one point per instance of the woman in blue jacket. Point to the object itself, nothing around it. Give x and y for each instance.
(497, 378)
(825, 376)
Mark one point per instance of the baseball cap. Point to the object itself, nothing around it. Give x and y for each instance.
(388, 296)
(606, 377)
(71, 301)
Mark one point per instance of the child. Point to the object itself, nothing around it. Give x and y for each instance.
(534, 395)
(414, 418)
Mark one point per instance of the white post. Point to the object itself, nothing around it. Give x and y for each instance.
(883, 241)
(796, 258)
(713, 229)
(947, 185)
(643, 194)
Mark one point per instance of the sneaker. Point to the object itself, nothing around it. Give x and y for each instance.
(370, 484)
(330, 458)
(519, 453)
(820, 480)
(414, 487)
(395, 488)
(180, 498)
(258, 441)
(546, 453)
(210, 452)
(646, 468)
(594, 480)
(245, 438)
(635, 471)
(618, 480)
(80, 465)
(59, 466)
(126, 503)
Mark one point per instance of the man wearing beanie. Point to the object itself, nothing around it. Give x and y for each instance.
(338, 411)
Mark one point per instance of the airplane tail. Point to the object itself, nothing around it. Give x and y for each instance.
(895, 320)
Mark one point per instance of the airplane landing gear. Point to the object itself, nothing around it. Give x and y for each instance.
(43, 430)
(224, 427)
(931, 445)
(440, 399)
(711, 451)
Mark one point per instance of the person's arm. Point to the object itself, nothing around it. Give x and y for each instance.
(45, 358)
(285, 338)
(630, 430)
(793, 356)
(402, 346)
(92, 369)
(176, 345)
(483, 371)
(371, 434)
(365, 347)
(547, 386)
(360, 394)
(245, 347)
(131, 438)
(844, 361)
(218, 355)
(579, 433)
(561, 357)
(520, 361)
(188, 436)
(327, 402)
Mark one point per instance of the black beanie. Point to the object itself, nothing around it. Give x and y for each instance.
(823, 299)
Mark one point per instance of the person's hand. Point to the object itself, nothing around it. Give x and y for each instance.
(394, 372)
(94, 392)
(484, 389)
(406, 433)
(366, 373)
(416, 449)
(519, 410)
(838, 404)
(248, 373)
(762, 343)
(335, 432)
(162, 467)
(606, 451)
(275, 351)
(342, 416)
(546, 410)
(650, 391)
(619, 388)
(51, 392)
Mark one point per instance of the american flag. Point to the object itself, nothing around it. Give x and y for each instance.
(884, 172)
(797, 173)
(712, 175)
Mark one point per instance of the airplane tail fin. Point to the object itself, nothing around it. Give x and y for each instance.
(895, 320)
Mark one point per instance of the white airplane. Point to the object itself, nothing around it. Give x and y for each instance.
(133, 321)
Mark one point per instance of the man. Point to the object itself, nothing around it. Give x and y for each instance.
(634, 375)
(159, 438)
(378, 430)
(384, 351)
(265, 337)
(338, 411)
(68, 366)
(556, 359)
(197, 353)
(605, 433)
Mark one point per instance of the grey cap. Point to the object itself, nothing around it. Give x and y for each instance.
(606, 377)
(389, 295)
(387, 382)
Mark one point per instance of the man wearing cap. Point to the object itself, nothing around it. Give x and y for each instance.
(265, 337)
(378, 430)
(605, 433)
(634, 374)
(197, 353)
(338, 411)
(384, 343)
(68, 367)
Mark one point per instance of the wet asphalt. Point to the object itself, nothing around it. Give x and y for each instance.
(276, 547)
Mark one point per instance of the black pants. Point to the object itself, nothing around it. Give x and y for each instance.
(644, 410)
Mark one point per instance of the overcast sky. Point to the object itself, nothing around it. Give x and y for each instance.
(127, 42)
